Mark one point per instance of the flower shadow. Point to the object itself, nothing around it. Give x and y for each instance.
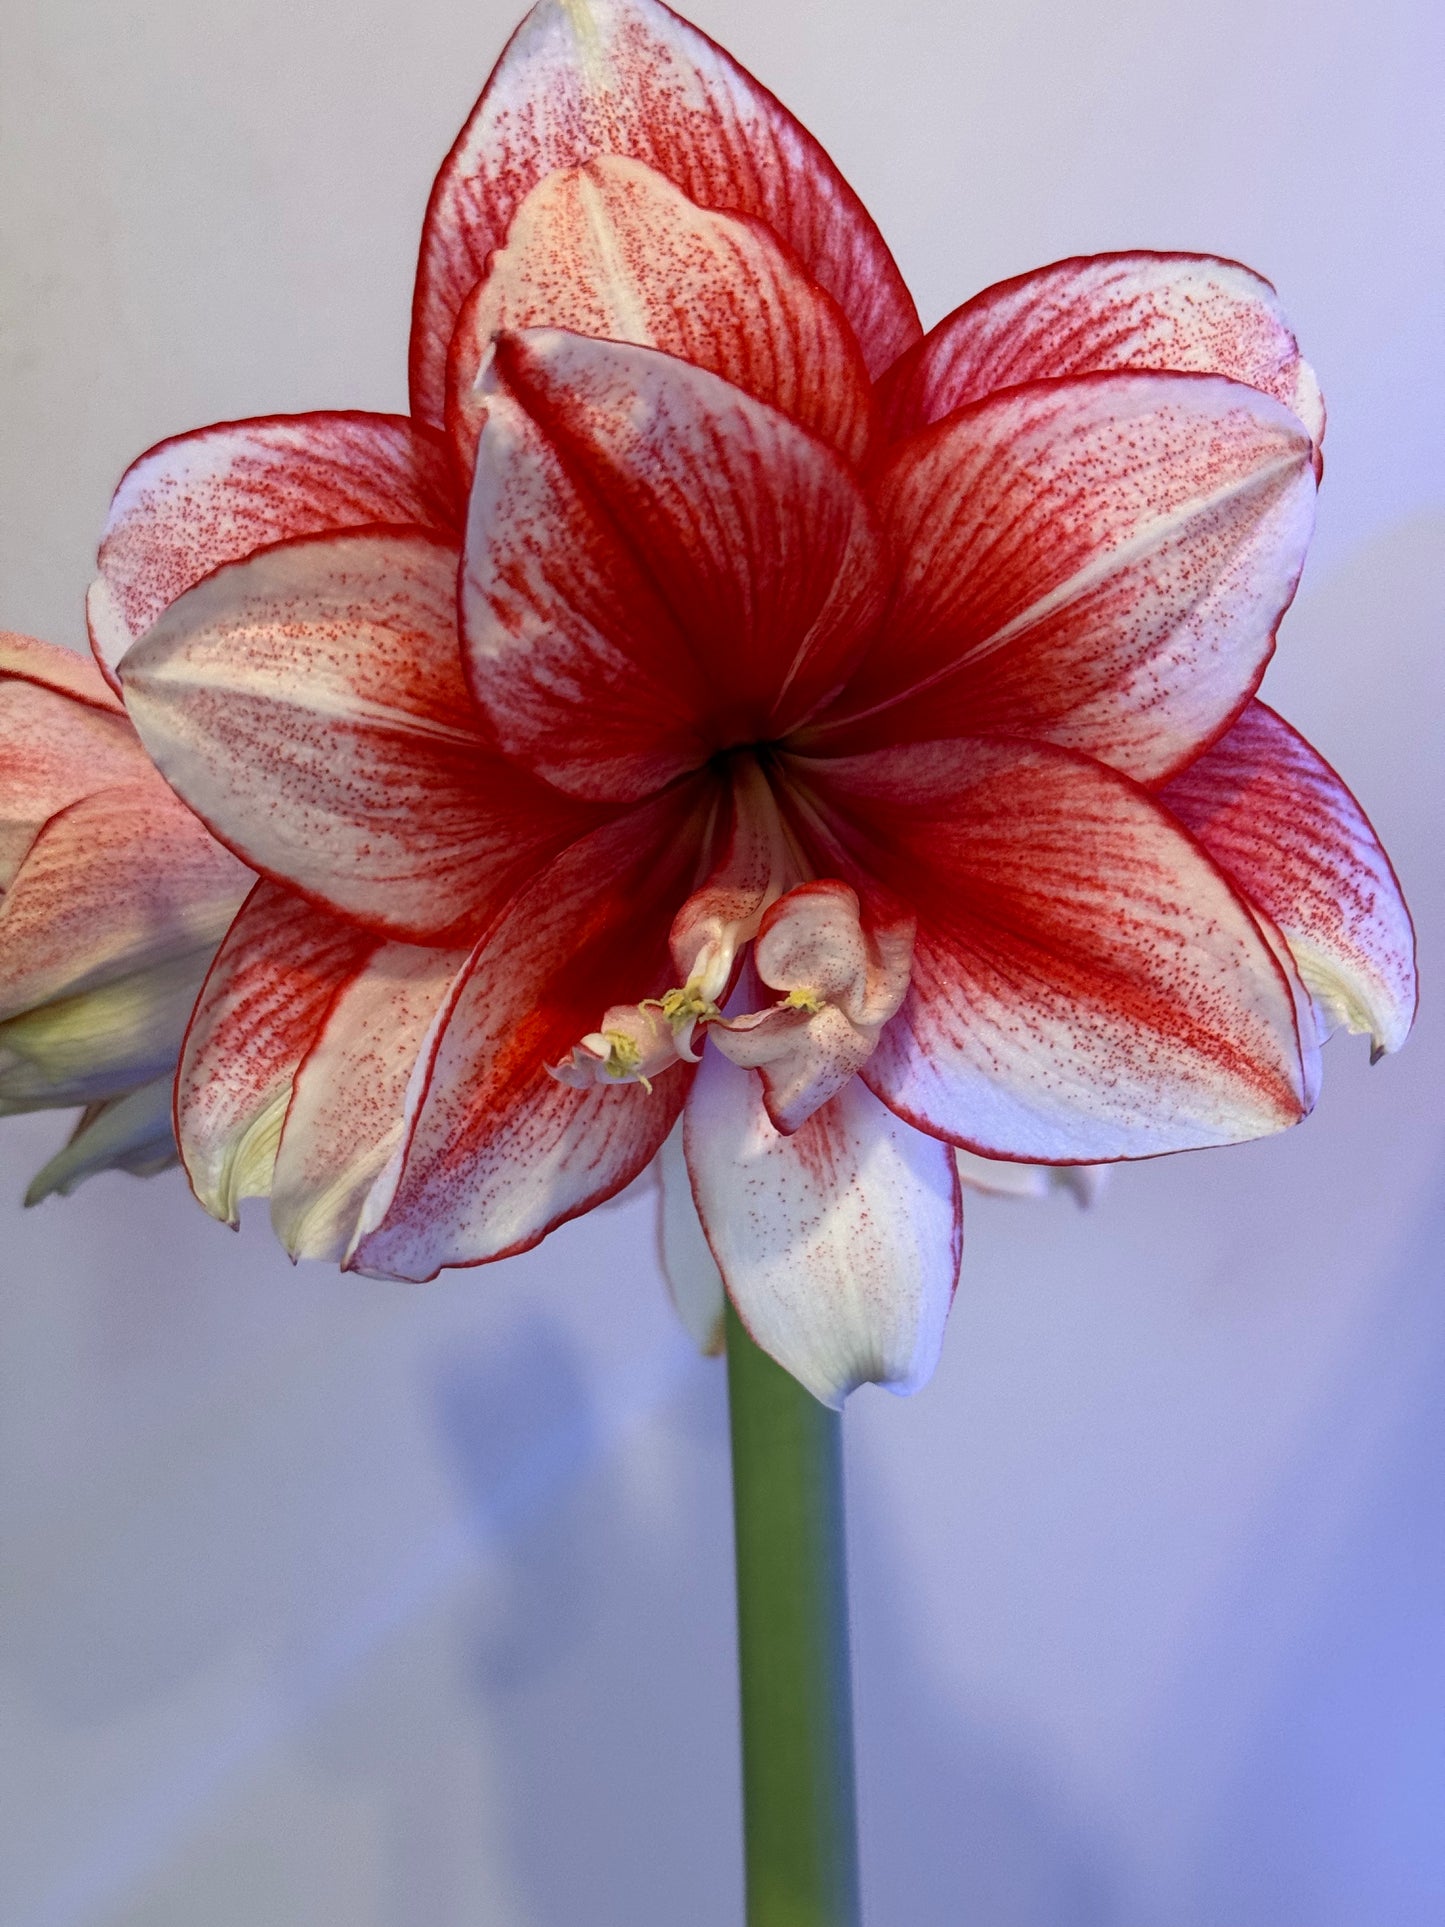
(602, 1661)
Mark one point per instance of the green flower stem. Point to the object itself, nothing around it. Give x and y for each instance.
(799, 1820)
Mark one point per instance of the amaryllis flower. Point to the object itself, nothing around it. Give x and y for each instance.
(721, 700)
(112, 901)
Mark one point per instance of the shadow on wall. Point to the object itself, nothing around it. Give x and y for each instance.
(1331, 1814)
(959, 1824)
(603, 1661)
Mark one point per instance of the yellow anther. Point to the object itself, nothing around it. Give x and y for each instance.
(685, 1006)
(804, 999)
(623, 1058)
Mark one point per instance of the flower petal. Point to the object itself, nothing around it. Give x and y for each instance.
(1099, 562)
(121, 881)
(497, 1152)
(614, 249)
(586, 77)
(687, 1261)
(62, 735)
(102, 1042)
(130, 1133)
(347, 1108)
(839, 1244)
(213, 496)
(308, 703)
(658, 566)
(269, 989)
(1280, 823)
(51, 667)
(1190, 313)
(1086, 984)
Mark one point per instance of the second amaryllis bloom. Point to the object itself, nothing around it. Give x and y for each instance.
(113, 899)
(720, 701)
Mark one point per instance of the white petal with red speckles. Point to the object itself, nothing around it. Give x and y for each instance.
(586, 77)
(1099, 562)
(347, 1108)
(1276, 818)
(657, 566)
(839, 1244)
(269, 989)
(615, 249)
(1086, 984)
(213, 496)
(1190, 313)
(308, 703)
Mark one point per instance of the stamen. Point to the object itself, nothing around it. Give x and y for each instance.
(634, 1043)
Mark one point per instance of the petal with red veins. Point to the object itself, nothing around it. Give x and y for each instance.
(1087, 985)
(614, 249)
(1276, 818)
(658, 566)
(1100, 562)
(309, 704)
(61, 670)
(274, 979)
(581, 78)
(496, 1151)
(1190, 313)
(839, 1244)
(64, 736)
(347, 1107)
(123, 880)
(213, 496)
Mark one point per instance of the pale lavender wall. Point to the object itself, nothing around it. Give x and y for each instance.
(334, 1603)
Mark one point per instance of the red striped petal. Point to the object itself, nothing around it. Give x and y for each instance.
(497, 1151)
(614, 249)
(1100, 563)
(200, 500)
(121, 881)
(657, 565)
(1190, 313)
(1276, 818)
(51, 667)
(308, 703)
(628, 77)
(62, 735)
(347, 1111)
(274, 978)
(1086, 984)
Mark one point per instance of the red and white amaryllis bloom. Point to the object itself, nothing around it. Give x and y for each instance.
(721, 702)
(113, 899)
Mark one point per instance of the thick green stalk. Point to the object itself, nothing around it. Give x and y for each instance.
(799, 1819)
